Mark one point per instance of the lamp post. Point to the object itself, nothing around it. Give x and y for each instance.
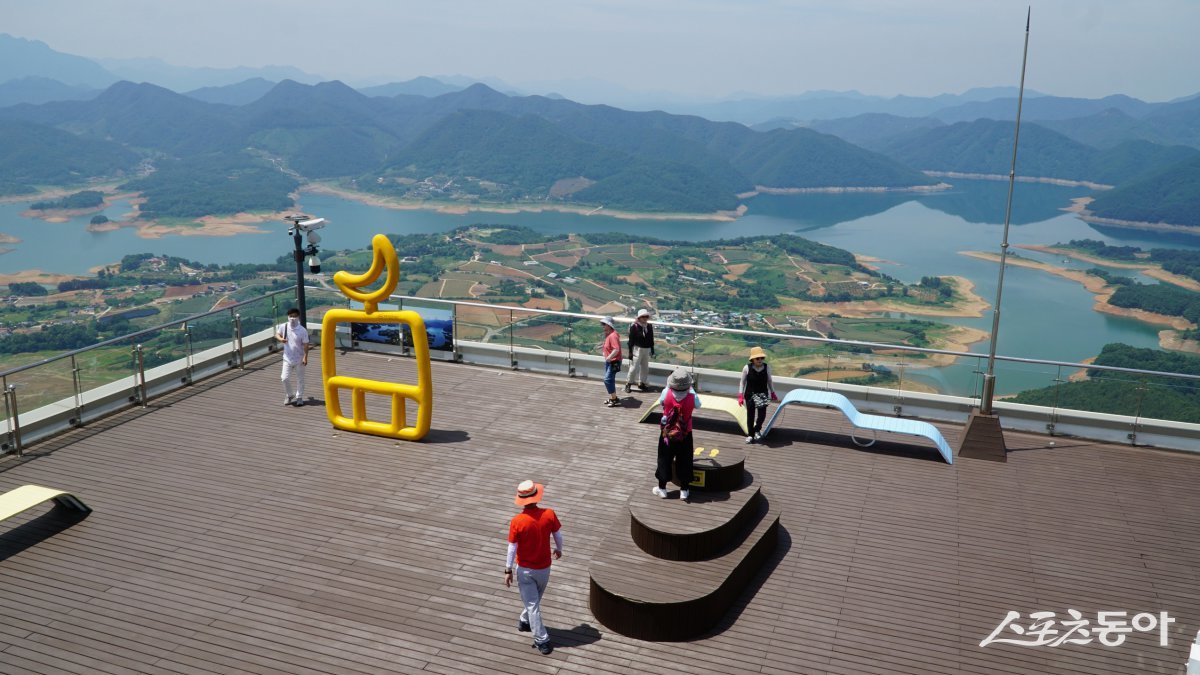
(302, 224)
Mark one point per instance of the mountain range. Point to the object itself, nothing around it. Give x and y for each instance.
(641, 161)
(494, 146)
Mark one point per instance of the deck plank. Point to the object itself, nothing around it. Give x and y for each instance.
(232, 534)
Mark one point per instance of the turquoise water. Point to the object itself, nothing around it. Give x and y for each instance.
(1043, 316)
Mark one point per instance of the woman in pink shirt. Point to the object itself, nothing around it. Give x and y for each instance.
(611, 351)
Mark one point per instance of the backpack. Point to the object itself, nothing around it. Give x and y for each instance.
(673, 429)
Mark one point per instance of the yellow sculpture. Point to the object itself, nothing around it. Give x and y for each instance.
(422, 392)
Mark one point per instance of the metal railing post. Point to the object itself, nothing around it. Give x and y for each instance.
(78, 391)
(454, 335)
(1054, 409)
(10, 403)
(140, 377)
(1137, 414)
(237, 337)
(189, 364)
(570, 346)
(512, 356)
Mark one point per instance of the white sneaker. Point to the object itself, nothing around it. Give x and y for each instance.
(750, 439)
(757, 437)
(683, 495)
(660, 493)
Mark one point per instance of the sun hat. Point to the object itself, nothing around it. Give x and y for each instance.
(643, 312)
(528, 492)
(607, 321)
(757, 353)
(680, 380)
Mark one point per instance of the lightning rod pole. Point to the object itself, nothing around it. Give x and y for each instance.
(989, 378)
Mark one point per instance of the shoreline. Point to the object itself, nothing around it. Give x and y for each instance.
(464, 209)
(1095, 285)
(1152, 270)
(1079, 207)
(971, 306)
(1065, 182)
(765, 190)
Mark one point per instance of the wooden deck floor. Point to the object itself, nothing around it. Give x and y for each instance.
(233, 534)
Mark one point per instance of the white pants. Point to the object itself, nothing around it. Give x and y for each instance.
(293, 380)
(639, 366)
(532, 584)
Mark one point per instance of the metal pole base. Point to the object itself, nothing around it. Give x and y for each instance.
(982, 438)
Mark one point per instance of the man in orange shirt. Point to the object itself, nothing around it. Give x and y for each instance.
(529, 536)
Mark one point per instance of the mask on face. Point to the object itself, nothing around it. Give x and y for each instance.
(294, 321)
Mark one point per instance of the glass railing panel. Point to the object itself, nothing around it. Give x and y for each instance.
(1119, 393)
(488, 325)
(111, 365)
(48, 384)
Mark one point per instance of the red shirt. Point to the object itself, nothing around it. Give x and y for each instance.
(530, 530)
(612, 347)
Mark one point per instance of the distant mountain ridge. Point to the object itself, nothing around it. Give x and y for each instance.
(985, 147)
(635, 161)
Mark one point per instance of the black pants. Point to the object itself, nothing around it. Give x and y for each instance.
(755, 416)
(677, 456)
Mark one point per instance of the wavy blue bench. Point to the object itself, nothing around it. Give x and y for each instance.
(860, 420)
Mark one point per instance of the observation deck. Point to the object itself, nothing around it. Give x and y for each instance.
(231, 533)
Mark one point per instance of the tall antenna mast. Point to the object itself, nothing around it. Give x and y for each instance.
(989, 378)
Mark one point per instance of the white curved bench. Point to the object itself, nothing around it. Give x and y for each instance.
(860, 420)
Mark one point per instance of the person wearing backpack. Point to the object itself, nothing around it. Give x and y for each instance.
(755, 391)
(678, 401)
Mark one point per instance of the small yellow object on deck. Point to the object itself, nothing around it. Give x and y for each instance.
(28, 496)
(421, 393)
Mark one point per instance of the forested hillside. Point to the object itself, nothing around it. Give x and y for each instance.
(483, 143)
(1129, 394)
(1170, 195)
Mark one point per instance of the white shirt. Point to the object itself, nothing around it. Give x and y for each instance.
(297, 340)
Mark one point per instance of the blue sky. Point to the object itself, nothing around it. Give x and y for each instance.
(703, 48)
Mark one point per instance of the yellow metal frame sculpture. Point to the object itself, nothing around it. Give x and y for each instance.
(422, 392)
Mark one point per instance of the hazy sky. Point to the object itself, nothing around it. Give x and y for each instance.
(706, 48)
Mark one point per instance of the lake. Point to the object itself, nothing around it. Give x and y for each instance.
(1043, 316)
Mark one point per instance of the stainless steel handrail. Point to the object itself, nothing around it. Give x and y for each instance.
(137, 334)
(788, 336)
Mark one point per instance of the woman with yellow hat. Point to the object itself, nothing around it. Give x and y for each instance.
(756, 389)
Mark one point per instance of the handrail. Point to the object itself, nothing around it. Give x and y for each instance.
(788, 336)
(144, 331)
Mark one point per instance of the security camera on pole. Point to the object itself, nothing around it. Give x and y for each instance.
(302, 224)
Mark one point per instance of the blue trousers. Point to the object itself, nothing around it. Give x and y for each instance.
(610, 376)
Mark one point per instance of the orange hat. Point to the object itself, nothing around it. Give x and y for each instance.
(528, 492)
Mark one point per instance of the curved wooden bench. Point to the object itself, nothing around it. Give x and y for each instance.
(29, 496)
(710, 402)
(872, 423)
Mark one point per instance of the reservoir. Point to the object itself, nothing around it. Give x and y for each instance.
(1043, 316)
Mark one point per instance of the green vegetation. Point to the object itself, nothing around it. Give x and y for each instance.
(1160, 299)
(1167, 196)
(985, 146)
(475, 145)
(1127, 394)
(80, 200)
(1100, 249)
(36, 154)
(216, 183)
(1111, 278)
(27, 288)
